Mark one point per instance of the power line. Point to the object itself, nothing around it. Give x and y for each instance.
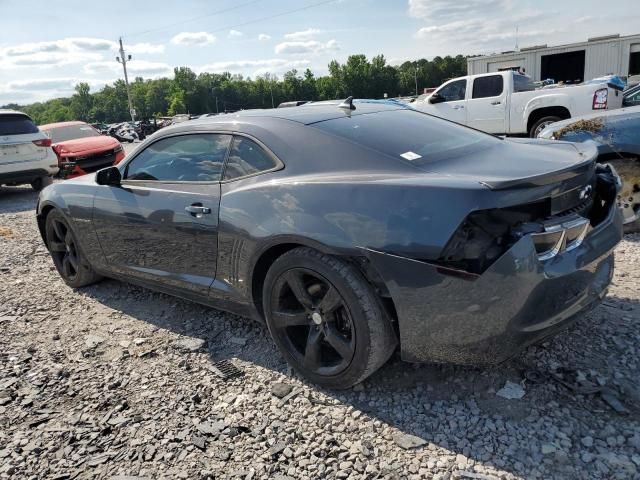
(269, 17)
(217, 12)
(242, 24)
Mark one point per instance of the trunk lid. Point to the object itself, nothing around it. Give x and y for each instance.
(521, 163)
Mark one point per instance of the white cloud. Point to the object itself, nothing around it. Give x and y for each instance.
(255, 67)
(66, 51)
(263, 37)
(311, 47)
(303, 35)
(144, 48)
(193, 38)
(442, 10)
(235, 34)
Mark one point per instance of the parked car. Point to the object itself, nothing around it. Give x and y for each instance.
(81, 149)
(26, 156)
(351, 228)
(508, 102)
(617, 135)
(631, 97)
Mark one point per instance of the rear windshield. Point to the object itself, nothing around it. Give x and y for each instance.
(408, 134)
(71, 132)
(16, 124)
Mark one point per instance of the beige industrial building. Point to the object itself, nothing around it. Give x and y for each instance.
(576, 62)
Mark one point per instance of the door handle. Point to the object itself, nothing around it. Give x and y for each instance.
(197, 210)
(458, 107)
(497, 102)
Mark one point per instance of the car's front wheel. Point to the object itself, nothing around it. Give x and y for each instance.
(68, 258)
(326, 319)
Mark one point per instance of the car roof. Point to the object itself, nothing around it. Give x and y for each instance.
(8, 111)
(306, 114)
(49, 126)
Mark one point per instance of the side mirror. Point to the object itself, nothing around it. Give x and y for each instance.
(436, 98)
(109, 176)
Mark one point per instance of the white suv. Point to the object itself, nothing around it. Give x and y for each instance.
(26, 156)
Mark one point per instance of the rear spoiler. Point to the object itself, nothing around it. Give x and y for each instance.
(587, 152)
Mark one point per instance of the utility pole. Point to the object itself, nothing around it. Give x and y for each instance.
(123, 60)
(416, 77)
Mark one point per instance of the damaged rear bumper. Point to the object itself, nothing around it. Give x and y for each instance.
(518, 300)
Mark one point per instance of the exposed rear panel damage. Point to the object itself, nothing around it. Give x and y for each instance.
(484, 311)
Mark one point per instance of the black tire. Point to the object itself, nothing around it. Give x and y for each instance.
(342, 310)
(71, 263)
(537, 127)
(41, 182)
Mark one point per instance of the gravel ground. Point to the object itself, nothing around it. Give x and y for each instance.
(115, 381)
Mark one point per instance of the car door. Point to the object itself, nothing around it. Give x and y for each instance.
(161, 224)
(449, 102)
(487, 105)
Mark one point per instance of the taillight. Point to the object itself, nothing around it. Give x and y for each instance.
(45, 142)
(600, 99)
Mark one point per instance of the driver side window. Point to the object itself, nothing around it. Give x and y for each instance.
(454, 91)
(183, 158)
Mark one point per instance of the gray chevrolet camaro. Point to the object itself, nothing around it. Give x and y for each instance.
(352, 229)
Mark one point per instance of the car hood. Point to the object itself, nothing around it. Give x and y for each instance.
(548, 132)
(85, 146)
(520, 163)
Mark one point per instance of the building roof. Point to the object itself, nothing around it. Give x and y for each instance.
(537, 48)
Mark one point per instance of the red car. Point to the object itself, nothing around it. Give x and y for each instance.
(81, 149)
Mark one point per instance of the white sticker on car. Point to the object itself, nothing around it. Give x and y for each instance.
(410, 155)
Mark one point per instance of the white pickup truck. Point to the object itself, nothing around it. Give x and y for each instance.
(508, 102)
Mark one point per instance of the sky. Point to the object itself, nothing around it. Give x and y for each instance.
(47, 47)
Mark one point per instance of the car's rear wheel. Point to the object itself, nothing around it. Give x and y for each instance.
(71, 263)
(326, 319)
(541, 124)
(41, 182)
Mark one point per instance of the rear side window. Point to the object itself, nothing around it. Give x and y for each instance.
(490, 86)
(522, 83)
(247, 158)
(16, 124)
(409, 135)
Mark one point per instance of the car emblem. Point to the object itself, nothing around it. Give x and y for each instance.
(585, 192)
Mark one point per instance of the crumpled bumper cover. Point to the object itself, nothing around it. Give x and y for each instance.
(515, 302)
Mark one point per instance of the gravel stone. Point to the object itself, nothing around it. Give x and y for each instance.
(115, 381)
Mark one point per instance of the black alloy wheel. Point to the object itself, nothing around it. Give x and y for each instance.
(311, 318)
(66, 254)
(326, 319)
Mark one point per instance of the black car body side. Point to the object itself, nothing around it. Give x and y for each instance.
(394, 219)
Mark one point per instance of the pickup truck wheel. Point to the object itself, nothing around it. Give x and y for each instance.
(541, 124)
(41, 182)
(629, 194)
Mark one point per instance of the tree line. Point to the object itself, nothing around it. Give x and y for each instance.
(188, 92)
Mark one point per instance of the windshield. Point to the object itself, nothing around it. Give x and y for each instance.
(71, 132)
(408, 134)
